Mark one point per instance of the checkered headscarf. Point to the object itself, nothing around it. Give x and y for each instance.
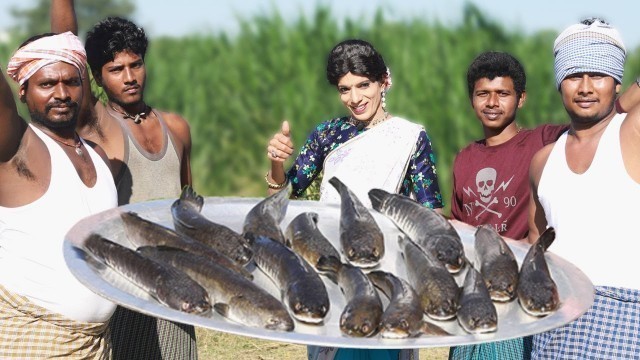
(44, 51)
(591, 46)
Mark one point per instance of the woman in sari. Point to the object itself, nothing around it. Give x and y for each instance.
(367, 148)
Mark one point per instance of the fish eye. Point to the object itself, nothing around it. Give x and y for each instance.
(351, 252)
(376, 253)
(404, 324)
(297, 306)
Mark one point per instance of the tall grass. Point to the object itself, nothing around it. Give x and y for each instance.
(236, 90)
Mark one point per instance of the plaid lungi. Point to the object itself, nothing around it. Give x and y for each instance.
(512, 349)
(135, 336)
(28, 331)
(610, 329)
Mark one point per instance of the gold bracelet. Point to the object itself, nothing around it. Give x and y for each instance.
(275, 186)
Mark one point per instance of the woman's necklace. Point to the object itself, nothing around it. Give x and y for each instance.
(77, 145)
(137, 118)
(361, 124)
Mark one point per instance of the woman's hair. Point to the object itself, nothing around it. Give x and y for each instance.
(110, 37)
(493, 64)
(357, 57)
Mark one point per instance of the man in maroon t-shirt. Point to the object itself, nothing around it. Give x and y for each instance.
(491, 176)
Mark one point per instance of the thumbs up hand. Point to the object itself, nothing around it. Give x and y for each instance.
(280, 146)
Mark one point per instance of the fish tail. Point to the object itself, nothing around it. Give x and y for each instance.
(546, 239)
(189, 195)
(339, 185)
(377, 198)
(381, 280)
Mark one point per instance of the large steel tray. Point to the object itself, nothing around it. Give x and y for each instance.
(575, 289)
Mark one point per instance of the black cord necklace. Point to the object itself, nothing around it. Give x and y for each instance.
(137, 118)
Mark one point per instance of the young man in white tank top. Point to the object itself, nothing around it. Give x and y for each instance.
(144, 145)
(49, 180)
(586, 186)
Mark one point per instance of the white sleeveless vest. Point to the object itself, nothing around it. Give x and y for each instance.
(31, 238)
(595, 214)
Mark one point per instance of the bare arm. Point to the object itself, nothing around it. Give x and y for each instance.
(181, 131)
(281, 146)
(63, 17)
(537, 219)
(630, 98)
(12, 126)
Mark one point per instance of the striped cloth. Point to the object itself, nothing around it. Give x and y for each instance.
(610, 329)
(589, 47)
(512, 349)
(44, 51)
(28, 331)
(136, 336)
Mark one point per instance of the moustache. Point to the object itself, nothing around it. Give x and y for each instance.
(58, 103)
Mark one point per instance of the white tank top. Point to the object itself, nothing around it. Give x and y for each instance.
(31, 238)
(595, 214)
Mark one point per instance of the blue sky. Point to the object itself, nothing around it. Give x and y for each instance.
(163, 17)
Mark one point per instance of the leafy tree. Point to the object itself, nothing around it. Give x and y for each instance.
(35, 20)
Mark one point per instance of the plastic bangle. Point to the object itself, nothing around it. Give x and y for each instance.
(275, 186)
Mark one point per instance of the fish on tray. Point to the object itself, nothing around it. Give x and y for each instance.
(188, 220)
(428, 229)
(434, 284)
(233, 296)
(361, 316)
(403, 317)
(166, 284)
(537, 292)
(498, 264)
(477, 313)
(303, 236)
(143, 232)
(265, 217)
(361, 239)
(302, 289)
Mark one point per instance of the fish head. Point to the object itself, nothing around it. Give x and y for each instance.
(364, 256)
(441, 308)
(280, 323)
(448, 251)
(199, 307)
(397, 328)
(501, 288)
(358, 323)
(540, 302)
(309, 309)
(481, 323)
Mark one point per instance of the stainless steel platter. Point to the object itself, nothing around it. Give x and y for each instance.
(575, 289)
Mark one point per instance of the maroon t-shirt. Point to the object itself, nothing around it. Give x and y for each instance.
(491, 183)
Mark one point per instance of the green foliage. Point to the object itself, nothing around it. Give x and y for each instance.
(236, 90)
(35, 19)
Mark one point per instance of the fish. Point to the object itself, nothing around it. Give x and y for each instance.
(141, 232)
(361, 239)
(403, 317)
(265, 217)
(303, 236)
(302, 289)
(188, 220)
(497, 264)
(362, 314)
(166, 284)
(233, 296)
(537, 292)
(435, 285)
(428, 229)
(477, 313)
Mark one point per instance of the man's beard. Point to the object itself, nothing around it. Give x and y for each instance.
(42, 118)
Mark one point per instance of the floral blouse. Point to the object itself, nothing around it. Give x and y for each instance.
(421, 178)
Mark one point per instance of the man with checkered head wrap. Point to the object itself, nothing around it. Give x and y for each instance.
(595, 164)
(49, 180)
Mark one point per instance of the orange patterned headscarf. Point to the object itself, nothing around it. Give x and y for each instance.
(27, 60)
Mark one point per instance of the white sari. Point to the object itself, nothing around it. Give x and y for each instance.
(376, 159)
